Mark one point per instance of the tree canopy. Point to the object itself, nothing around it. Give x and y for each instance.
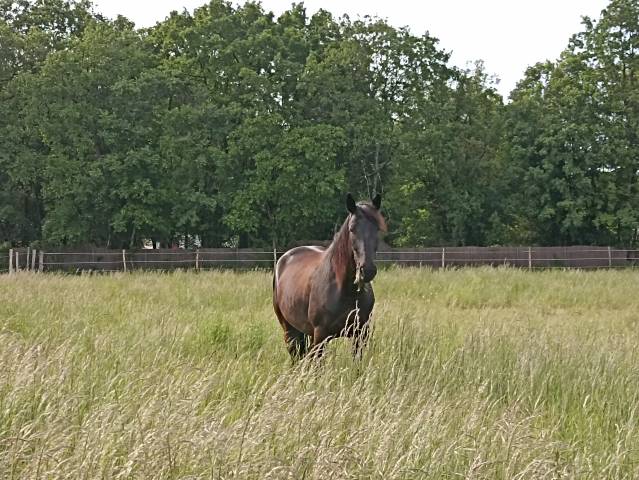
(235, 127)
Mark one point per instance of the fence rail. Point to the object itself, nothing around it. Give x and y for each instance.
(102, 260)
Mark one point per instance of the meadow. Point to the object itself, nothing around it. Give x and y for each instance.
(472, 373)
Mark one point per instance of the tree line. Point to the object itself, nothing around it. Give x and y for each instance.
(238, 128)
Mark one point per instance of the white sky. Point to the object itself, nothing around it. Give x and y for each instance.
(508, 35)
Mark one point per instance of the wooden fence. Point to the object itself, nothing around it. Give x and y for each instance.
(102, 260)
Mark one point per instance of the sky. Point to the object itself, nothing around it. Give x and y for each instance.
(508, 35)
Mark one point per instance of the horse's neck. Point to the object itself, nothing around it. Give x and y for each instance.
(340, 257)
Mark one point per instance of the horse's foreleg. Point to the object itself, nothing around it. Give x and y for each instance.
(320, 338)
(360, 339)
(295, 343)
(361, 331)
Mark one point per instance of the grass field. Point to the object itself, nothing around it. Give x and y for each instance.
(476, 373)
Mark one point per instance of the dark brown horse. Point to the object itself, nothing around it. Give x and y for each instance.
(323, 293)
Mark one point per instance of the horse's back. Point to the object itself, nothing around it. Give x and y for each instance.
(298, 260)
(291, 284)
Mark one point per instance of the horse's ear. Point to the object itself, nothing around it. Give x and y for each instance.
(377, 201)
(350, 203)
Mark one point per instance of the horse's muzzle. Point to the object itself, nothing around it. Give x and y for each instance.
(368, 273)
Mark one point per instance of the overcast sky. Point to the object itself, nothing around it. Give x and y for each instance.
(508, 35)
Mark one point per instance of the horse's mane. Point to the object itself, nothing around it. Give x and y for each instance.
(341, 249)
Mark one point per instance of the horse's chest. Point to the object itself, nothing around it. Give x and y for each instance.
(332, 309)
(336, 316)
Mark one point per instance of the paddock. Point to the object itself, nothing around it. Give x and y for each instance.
(482, 372)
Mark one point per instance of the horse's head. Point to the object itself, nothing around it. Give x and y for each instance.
(364, 224)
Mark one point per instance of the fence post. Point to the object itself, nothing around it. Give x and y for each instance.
(197, 259)
(17, 261)
(124, 259)
(33, 259)
(41, 263)
(529, 258)
(609, 257)
(26, 267)
(443, 257)
(11, 260)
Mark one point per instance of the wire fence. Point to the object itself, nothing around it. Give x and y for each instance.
(102, 260)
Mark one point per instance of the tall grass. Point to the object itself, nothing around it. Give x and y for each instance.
(477, 373)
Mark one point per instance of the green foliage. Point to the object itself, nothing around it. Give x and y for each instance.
(447, 173)
(572, 137)
(29, 33)
(290, 184)
(232, 126)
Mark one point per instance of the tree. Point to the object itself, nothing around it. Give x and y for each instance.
(444, 189)
(572, 137)
(29, 32)
(291, 184)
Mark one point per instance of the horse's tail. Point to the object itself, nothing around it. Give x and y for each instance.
(276, 266)
(275, 285)
(276, 306)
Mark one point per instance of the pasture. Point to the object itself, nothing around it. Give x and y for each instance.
(471, 373)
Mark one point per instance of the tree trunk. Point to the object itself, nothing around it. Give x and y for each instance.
(243, 240)
(132, 239)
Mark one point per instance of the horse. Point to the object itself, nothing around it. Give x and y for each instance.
(323, 293)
